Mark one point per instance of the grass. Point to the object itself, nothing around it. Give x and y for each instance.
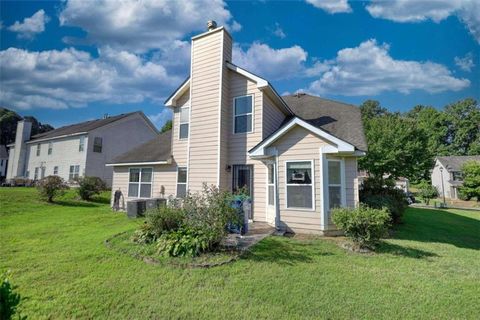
(431, 269)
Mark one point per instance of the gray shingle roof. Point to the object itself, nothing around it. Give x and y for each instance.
(157, 149)
(454, 163)
(344, 121)
(80, 127)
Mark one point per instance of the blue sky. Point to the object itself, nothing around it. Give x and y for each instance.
(65, 62)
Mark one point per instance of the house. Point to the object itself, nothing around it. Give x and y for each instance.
(449, 170)
(76, 150)
(296, 155)
(3, 161)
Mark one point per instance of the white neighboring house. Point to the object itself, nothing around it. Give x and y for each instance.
(449, 169)
(3, 161)
(76, 150)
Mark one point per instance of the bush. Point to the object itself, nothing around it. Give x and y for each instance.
(9, 299)
(90, 186)
(51, 187)
(185, 242)
(364, 226)
(379, 193)
(427, 192)
(158, 221)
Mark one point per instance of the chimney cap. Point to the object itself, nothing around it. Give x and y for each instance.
(211, 24)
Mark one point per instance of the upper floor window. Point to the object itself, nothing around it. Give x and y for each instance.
(184, 122)
(50, 147)
(140, 182)
(81, 144)
(97, 144)
(457, 176)
(38, 149)
(243, 114)
(299, 184)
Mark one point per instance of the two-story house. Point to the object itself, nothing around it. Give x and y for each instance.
(76, 150)
(447, 174)
(296, 155)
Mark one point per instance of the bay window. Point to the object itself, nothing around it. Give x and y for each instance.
(140, 182)
(299, 184)
(243, 114)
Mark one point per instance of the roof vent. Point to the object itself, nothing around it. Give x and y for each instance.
(211, 24)
(105, 116)
(299, 94)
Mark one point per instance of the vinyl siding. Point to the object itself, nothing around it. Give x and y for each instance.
(272, 117)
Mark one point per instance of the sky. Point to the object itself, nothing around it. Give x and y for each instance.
(75, 60)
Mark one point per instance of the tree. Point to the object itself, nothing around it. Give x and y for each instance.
(51, 187)
(471, 180)
(8, 125)
(371, 109)
(463, 126)
(427, 192)
(167, 126)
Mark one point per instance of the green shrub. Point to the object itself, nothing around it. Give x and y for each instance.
(185, 242)
(51, 187)
(158, 221)
(9, 299)
(90, 186)
(427, 192)
(379, 193)
(364, 226)
(144, 234)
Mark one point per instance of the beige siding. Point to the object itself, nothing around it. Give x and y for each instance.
(163, 175)
(272, 116)
(179, 147)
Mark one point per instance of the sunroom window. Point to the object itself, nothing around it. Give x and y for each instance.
(243, 114)
(271, 184)
(140, 182)
(334, 184)
(184, 122)
(299, 184)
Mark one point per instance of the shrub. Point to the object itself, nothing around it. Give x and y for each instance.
(379, 193)
(9, 299)
(364, 226)
(158, 221)
(185, 242)
(90, 186)
(51, 187)
(144, 234)
(427, 192)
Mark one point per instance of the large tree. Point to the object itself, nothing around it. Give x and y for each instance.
(471, 180)
(8, 125)
(463, 127)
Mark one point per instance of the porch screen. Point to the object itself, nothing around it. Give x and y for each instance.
(299, 185)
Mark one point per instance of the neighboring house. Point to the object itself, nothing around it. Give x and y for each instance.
(3, 161)
(76, 150)
(449, 169)
(296, 155)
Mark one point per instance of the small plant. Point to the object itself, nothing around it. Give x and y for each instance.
(9, 299)
(185, 242)
(364, 226)
(90, 186)
(427, 192)
(51, 187)
(157, 222)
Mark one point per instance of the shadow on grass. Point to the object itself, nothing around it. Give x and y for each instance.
(73, 203)
(100, 200)
(428, 225)
(407, 252)
(279, 251)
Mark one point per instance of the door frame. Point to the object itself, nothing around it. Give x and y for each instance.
(251, 168)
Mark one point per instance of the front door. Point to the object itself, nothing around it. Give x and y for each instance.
(243, 179)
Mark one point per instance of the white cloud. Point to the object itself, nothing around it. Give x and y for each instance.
(466, 63)
(30, 26)
(270, 63)
(278, 31)
(331, 6)
(73, 78)
(139, 26)
(161, 118)
(468, 11)
(369, 70)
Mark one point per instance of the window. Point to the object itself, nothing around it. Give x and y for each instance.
(299, 184)
(38, 149)
(184, 122)
(50, 148)
(81, 144)
(97, 144)
(140, 182)
(74, 172)
(457, 176)
(42, 172)
(35, 176)
(181, 182)
(334, 184)
(55, 170)
(242, 120)
(271, 184)
(28, 174)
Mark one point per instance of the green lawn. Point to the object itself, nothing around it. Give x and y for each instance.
(431, 269)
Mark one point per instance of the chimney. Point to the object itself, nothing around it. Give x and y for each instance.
(24, 130)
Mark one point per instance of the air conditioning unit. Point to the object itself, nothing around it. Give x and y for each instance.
(155, 203)
(298, 176)
(136, 208)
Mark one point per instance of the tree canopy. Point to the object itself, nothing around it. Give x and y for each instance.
(471, 180)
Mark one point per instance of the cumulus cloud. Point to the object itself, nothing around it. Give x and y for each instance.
(468, 11)
(161, 118)
(73, 78)
(30, 26)
(273, 64)
(277, 31)
(466, 63)
(331, 6)
(369, 70)
(140, 26)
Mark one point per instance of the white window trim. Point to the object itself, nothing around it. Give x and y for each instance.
(177, 183)
(140, 182)
(38, 152)
(50, 148)
(73, 165)
(180, 122)
(312, 164)
(272, 184)
(244, 114)
(81, 143)
(343, 198)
